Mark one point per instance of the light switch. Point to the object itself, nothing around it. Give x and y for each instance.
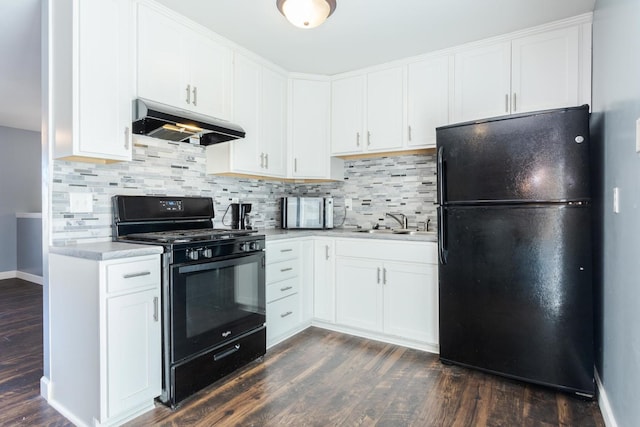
(80, 202)
(348, 204)
(616, 200)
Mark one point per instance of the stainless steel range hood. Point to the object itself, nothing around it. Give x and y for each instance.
(173, 124)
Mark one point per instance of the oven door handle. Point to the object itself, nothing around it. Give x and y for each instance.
(227, 352)
(226, 262)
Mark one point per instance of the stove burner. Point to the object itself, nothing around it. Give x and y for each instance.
(185, 236)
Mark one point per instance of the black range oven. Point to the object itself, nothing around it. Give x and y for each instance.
(213, 290)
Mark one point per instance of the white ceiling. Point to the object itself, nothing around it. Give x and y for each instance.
(360, 33)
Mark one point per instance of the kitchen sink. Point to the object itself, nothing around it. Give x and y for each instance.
(375, 231)
(397, 231)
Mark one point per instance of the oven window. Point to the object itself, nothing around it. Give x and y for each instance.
(215, 302)
(219, 297)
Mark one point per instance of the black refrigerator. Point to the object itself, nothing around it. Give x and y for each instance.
(514, 237)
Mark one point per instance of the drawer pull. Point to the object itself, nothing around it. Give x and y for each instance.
(226, 353)
(282, 270)
(155, 309)
(286, 288)
(288, 313)
(139, 274)
(286, 250)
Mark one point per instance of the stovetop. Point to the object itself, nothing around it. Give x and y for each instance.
(187, 236)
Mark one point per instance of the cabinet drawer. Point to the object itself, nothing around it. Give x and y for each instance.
(282, 251)
(282, 289)
(283, 315)
(422, 252)
(134, 274)
(282, 271)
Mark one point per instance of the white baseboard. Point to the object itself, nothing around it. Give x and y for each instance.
(605, 406)
(21, 275)
(29, 277)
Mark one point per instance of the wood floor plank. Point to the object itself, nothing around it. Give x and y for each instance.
(317, 378)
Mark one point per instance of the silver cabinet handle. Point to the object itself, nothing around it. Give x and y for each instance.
(378, 281)
(357, 139)
(286, 288)
(326, 251)
(126, 138)
(262, 160)
(188, 94)
(132, 275)
(288, 313)
(155, 309)
(409, 132)
(384, 276)
(266, 160)
(513, 101)
(368, 138)
(506, 103)
(282, 270)
(295, 164)
(286, 250)
(195, 96)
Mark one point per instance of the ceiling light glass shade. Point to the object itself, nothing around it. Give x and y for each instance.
(306, 13)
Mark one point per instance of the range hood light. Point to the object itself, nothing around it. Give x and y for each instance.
(190, 128)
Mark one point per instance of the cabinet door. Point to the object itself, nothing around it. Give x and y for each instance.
(482, 82)
(384, 110)
(160, 65)
(359, 293)
(246, 112)
(103, 113)
(309, 113)
(273, 113)
(411, 301)
(347, 103)
(210, 76)
(324, 305)
(545, 71)
(133, 350)
(427, 100)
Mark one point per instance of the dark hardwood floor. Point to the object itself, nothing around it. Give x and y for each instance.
(317, 378)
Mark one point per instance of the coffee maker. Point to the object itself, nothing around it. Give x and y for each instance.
(240, 216)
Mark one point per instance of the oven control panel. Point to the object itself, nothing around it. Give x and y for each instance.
(199, 252)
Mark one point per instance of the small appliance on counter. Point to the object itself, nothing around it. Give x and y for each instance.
(306, 212)
(240, 216)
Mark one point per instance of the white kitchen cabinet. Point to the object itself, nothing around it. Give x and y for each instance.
(324, 305)
(427, 100)
(309, 127)
(388, 288)
(259, 106)
(106, 349)
(528, 73)
(285, 295)
(367, 112)
(180, 66)
(91, 81)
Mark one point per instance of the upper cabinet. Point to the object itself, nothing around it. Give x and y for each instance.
(180, 66)
(367, 112)
(427, 100)
(259, 106)
(529, 73)
(91, 80)
(309, 111)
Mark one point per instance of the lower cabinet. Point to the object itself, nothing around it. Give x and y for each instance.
(388, 288)
(324, 294)
(105, 337)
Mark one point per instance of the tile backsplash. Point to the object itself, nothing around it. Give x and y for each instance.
(405, 184)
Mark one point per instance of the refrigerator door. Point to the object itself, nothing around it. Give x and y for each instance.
(540, 156)
(516, 293)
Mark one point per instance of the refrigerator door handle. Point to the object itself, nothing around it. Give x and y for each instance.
(442, 250)
(440, 176)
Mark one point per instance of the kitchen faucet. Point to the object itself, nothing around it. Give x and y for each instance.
(402, 222)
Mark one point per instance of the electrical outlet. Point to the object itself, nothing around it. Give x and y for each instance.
(348, 204)
(235, 200)
(80, 202)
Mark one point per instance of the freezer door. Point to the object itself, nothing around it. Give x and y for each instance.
(536, 157)
(516, 293)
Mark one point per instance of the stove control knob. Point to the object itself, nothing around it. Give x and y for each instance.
(192, 254)
(243, 247)
(207, 253)
(254, 246)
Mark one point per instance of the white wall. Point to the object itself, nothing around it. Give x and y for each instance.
(19, 186)
(616, 106)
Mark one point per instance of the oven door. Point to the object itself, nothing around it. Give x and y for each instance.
(215, 302)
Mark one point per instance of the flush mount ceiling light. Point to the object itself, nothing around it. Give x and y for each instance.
(306, 13)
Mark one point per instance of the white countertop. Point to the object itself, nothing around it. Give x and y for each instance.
(37, 215)
(102, 251)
